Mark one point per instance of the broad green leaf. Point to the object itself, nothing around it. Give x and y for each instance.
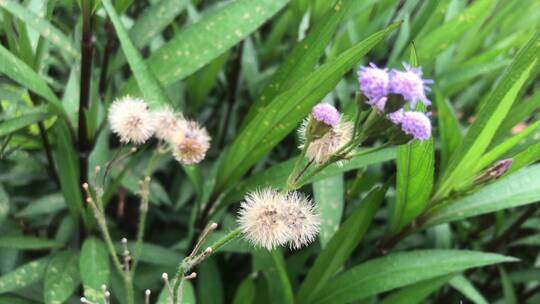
(21, 73)
(301, 60)
(245, 293)
(340, 246)
(416, 293)
(461, 167)
(150, 87)
(272, 265)
(68, 171)
(449, 130)
(328, 196)
(28, 243)
(61, 277)
(401, 269)
(23, 276)
(514, 190)
(43, 26)
(210, 287)
(415, 169)
(11, 299)
(442, 37)
(497, 152)
(508, 289)
(284, 113)
(276, 176)
(154, 254)
(466, 288)
(33, 115)
(94, 268)
(207, 39)
(4, 204)
(47, 204)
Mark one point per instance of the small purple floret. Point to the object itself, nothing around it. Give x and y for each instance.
(502, 166)
(410, 85)
(416, 124)
(373, 83)
(326, 114)
(396, 117)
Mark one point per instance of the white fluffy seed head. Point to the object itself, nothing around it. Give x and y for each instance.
(131, 120)
(261, 219)
(301, 219)
(321, 149)
(190, 142)
(166, 123)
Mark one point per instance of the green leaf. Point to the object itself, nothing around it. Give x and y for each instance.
(340, 246)
(461, 167)
(449, 129)
(154, 254)
(284, 113)
(515, 190)
(272, 266)
(28, 243)
(401, 269)
(442, 37)
(21, 73)
(525, 158)
(416, 293)
(508, 289)
(188, 297)
(94, 268)
(519, 113)
(25, 119)
(328, 195)
(210, 288)
(415, 170)
(153, 93)
(466, 288)
(495, 153)
(301, 60)
(68, 171)
(207, 39)
(44, 27)
(47, 204)
(245, 293)
(23, 276)
(61, 277)
(4, 204)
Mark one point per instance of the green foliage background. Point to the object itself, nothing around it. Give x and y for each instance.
(405, 224)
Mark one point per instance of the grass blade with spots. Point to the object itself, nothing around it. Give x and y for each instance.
(340, 246)
(94, 268)
(401, 269)
(515, 190)
(44, 27)
(461, 167)
(23, 276)
(207, 39)
(61, 277)
(286, 111)
(152, 91)
(328, 196)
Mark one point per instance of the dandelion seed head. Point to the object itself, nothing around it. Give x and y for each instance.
(166, 123)
(416, 124)
(190, 143)
(410, 85)
(321, 149)
(261, 219)
(301, 219)
(373, 82)
(326, 113)
(130, 120)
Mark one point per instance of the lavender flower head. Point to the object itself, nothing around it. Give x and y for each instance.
(326, 114)
(410, 85)
(396, 117)
(416, 124)
(373, 83)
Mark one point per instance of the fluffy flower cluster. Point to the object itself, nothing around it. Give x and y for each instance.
(338, 133)
(376, 84)
(132, 121)
(269, 219)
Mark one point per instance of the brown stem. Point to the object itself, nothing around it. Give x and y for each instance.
(106, 58)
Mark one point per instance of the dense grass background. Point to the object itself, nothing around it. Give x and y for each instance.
(399, 225)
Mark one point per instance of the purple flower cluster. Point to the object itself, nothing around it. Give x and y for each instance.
(325, 113)
(377, 83)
